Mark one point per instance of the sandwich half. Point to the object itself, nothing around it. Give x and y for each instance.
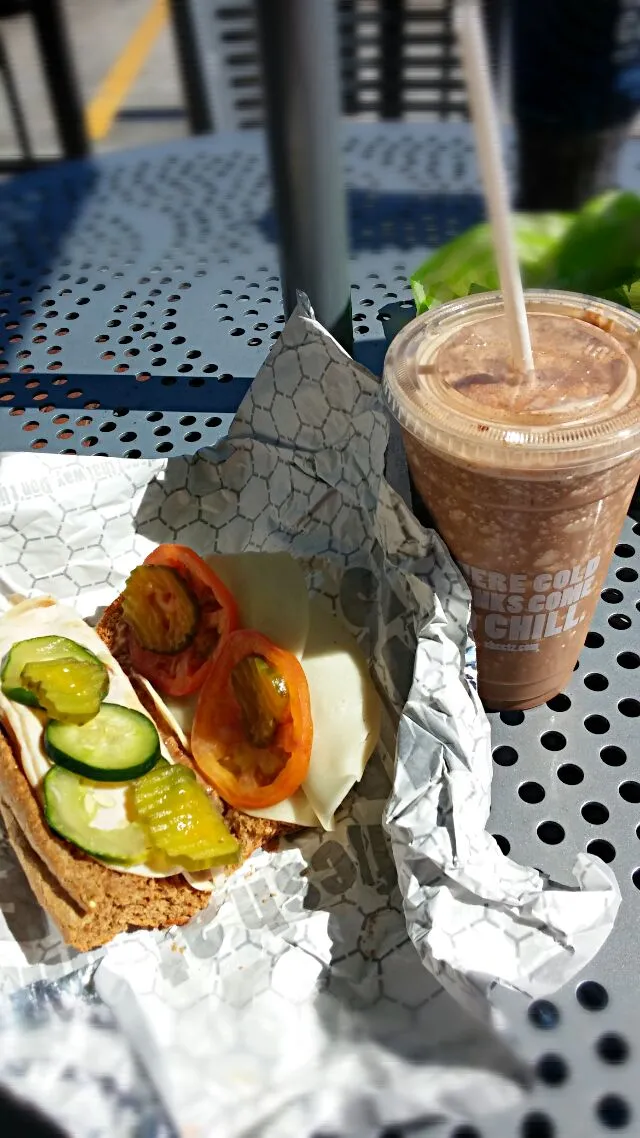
(91, 901)
(215, 706)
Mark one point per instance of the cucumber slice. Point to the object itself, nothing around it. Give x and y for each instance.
(69, 690)
(116, 745)
(71, 807)
(38, 650)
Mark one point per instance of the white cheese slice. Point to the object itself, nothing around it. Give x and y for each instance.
(271, 594)
(345, 708)
(295, 811)
(45, 617)
(346, 712)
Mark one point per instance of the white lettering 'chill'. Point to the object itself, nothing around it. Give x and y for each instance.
(514, 611)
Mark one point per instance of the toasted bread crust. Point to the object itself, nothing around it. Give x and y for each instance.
(89, 902)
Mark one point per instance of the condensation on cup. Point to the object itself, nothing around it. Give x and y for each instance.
(528, 480)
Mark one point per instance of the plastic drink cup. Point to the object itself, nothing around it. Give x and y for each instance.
(528, 480)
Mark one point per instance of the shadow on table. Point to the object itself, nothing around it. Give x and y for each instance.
(38, 211)
(380, 218)
(392, 317)
(370, 353)
(173, 394)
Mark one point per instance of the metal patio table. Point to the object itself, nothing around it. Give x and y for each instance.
(139, 293)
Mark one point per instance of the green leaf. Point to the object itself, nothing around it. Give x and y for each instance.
(633, 295)
(468, 262)
(602, 248)
(596, 251)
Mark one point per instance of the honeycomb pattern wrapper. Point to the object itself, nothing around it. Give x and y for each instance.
(344, 983)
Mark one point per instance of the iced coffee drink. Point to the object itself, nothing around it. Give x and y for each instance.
(528, 479)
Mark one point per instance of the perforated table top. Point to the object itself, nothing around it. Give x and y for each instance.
(138, 296)
(140, 293)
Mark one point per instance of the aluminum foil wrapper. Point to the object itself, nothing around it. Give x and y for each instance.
(343, 983)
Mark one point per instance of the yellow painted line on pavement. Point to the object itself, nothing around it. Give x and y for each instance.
(116, 85)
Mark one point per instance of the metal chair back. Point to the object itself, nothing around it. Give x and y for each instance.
(398, 60)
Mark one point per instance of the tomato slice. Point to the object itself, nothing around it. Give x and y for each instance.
(183, 672)
(252, 733)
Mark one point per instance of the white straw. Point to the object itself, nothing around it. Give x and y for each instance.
(483, 109)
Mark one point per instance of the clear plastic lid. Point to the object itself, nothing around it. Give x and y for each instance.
(449, 381)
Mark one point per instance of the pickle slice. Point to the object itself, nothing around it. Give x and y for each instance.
(263, 697)
(160, 609)
(181, 820)
(69, 690)
(40, 648)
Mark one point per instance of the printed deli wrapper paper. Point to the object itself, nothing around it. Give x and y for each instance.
(340, 984)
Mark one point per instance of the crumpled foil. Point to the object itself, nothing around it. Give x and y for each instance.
(344, 983)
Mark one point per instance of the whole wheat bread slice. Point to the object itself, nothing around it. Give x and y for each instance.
(89, 902)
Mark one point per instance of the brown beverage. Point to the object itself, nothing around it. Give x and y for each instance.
(529, 480)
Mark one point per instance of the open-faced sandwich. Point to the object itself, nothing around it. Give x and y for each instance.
(214, 706)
